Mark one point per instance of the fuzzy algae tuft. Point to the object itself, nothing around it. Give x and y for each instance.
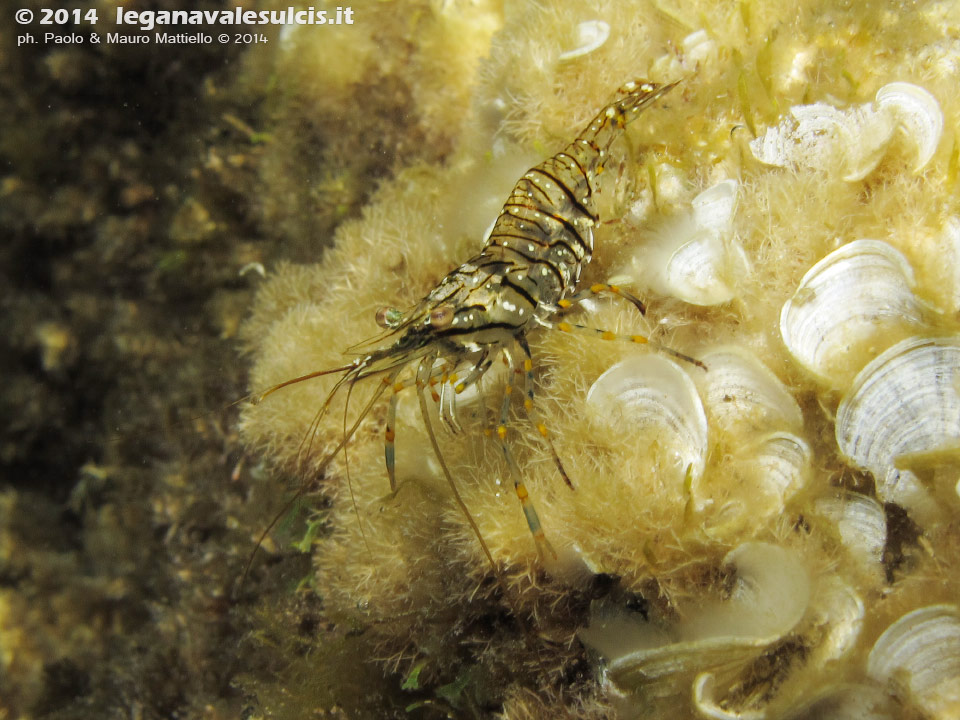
(670, 557)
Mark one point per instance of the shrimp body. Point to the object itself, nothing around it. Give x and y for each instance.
(526, 273)
(532, 259)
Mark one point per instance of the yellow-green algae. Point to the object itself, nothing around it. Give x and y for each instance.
(404, 572)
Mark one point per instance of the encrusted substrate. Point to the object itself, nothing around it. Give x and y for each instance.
(643, 540)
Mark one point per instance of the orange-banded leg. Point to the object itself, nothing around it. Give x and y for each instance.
(397, 384)
(447, 404)
(567, 327)
(442, 380)
(424, 375)
(544, 548)
(476, 372)
(389, 431)
(424, 370)
(601, 289)
(532, 414)
(452, 385)
(439, 380)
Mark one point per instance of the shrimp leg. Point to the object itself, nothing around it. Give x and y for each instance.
(544, 548)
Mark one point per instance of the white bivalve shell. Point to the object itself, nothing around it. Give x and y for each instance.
(848, 702)
(919, 657)
(822, 137)
(755, 421)
(861, 524)
(743, 397)
(918, 115)
(653, 400)
(854, 140)
(769, 597)
(778, 468)
(902, 406)
(851, 305)
(829, 630)
(834, 620)
(694, 257)
(760, 479)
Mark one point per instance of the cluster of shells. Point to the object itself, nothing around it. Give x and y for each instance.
(875, 358)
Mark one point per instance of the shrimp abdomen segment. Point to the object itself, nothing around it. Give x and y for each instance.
(546, 225)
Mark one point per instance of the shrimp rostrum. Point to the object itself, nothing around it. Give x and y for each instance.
(525, 277)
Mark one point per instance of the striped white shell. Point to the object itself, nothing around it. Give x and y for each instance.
(822, 137)
(658, 401)
(905, 403)
(919, 657)
(848, 307)
(918, 115)
(743, 397)
(860, 522)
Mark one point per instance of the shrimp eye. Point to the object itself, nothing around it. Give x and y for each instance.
(389, 317)
(441, 317)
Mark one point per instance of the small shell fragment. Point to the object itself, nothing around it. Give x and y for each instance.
(714, 208)
(708, 705)
(778, 469)
(848, 307)
(591, 34)
(698, 48)
(950, 239)
(834, 621)
(696, 272)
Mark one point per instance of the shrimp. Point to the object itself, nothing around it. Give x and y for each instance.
(525, 277)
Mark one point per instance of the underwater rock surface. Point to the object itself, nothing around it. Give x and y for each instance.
(775, 537)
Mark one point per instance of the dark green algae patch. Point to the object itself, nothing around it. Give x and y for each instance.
(132, 194)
